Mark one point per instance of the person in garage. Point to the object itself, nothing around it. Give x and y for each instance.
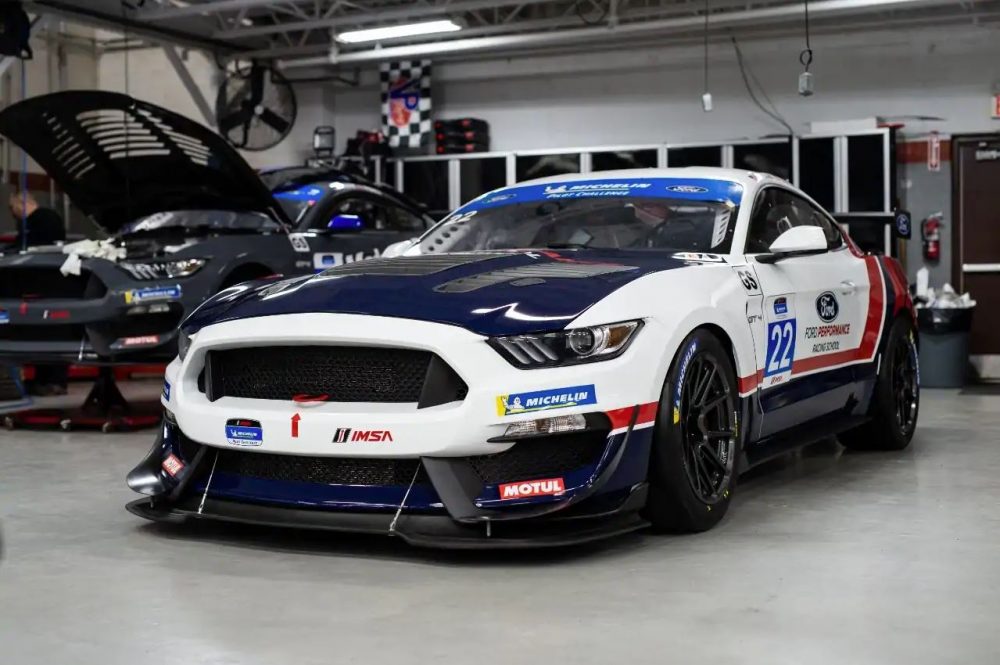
(39, 226)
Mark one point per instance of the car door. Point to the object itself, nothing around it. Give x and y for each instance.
(815, 310)
(358, 226)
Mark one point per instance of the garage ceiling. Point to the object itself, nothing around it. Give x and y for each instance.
(304, 31)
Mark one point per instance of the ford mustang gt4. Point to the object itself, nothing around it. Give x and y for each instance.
(555, 362)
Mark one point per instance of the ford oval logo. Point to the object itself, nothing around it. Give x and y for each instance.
(827, 306)
(687, 189)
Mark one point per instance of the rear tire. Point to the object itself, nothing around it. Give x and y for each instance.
(692, 468)
(896, 397)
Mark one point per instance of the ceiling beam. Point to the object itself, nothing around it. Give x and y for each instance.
(164, 12)
(818, 9)
(382, 17)
(117, 22)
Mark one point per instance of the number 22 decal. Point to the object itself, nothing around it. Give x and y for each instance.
(780, 347)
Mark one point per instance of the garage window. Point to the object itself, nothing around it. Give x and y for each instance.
(542, 166)
(427, 182)
(697, 156)
(623, 159)
(479, 176)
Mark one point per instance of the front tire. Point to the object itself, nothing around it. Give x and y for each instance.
(896, 397)
(692, 468)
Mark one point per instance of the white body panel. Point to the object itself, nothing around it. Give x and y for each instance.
(735, 294)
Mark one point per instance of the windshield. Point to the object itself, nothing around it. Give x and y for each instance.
(212, 220)
(295, 202)
(660, 213)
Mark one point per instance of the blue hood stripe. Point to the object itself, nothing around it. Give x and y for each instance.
(502, 294)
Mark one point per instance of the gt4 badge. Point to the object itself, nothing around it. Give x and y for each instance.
(520, 490)
(244, 433)
(541, 400)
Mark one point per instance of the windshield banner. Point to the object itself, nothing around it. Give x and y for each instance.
(695, 189)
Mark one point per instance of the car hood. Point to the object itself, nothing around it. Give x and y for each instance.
(489, 293)
(120, 159)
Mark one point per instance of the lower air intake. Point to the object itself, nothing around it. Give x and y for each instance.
(320, 470)
(545, 457)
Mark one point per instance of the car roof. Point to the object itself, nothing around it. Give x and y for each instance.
(749, 179)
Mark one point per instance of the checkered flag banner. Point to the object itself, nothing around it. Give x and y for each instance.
(406, 103)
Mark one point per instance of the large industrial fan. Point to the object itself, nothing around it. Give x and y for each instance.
(256, 107)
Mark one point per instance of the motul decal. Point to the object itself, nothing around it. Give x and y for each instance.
(346, 435)
(532, 488)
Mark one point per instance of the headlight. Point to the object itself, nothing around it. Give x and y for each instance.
(567, 347)
(183, 344)
(164, 269)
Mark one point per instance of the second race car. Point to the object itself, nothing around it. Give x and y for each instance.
(187, 217)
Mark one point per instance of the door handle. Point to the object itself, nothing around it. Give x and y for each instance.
(847, 287)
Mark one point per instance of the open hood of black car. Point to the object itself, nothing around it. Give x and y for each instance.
(119, 158)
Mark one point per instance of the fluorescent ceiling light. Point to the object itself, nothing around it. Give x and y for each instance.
(397, 31)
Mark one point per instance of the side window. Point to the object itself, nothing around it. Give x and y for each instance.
(401, 219)
(369, 215)
(778, 210)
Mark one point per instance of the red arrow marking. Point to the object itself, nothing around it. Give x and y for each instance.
(295, 425)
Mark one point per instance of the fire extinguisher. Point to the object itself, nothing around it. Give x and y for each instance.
(930, 233)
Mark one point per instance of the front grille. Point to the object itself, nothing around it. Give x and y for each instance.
(34, 333)
(546, 457)
(25, 283)
(321, 470)
(341, 373)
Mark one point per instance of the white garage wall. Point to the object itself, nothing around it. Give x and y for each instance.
(646, 95)
(654, 95)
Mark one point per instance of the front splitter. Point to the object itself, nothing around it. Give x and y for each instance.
(437, 531)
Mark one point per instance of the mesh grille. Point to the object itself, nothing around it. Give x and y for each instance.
(37, 333)
(544, 458)
(343, 373)
(42, 283)
(322, 470)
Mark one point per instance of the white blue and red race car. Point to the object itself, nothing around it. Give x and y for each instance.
(554, 362)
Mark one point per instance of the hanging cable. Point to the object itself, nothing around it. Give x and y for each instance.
(706, 96)
(806, 56)
(774, 115)
(126, 7)
(806, 59)
(23, 179)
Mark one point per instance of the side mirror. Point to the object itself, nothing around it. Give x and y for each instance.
(796, 241)
(398, 248)
(345, 222)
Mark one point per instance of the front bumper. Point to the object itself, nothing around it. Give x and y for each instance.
(94, 318)
(447, 503)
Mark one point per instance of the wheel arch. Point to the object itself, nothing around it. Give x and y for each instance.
(244, 272)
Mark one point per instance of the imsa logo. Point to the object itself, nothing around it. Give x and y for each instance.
(348, 435)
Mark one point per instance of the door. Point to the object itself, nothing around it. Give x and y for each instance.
(977, 215)
(814, 314)
(358, 226)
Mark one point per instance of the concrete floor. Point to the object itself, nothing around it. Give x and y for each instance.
(826, 557)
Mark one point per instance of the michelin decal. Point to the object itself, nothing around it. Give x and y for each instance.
(541, 400)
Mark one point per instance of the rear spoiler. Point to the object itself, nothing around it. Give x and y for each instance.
(876, 232)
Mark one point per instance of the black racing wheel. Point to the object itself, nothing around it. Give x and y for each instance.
(692, 470)
(896, 399)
